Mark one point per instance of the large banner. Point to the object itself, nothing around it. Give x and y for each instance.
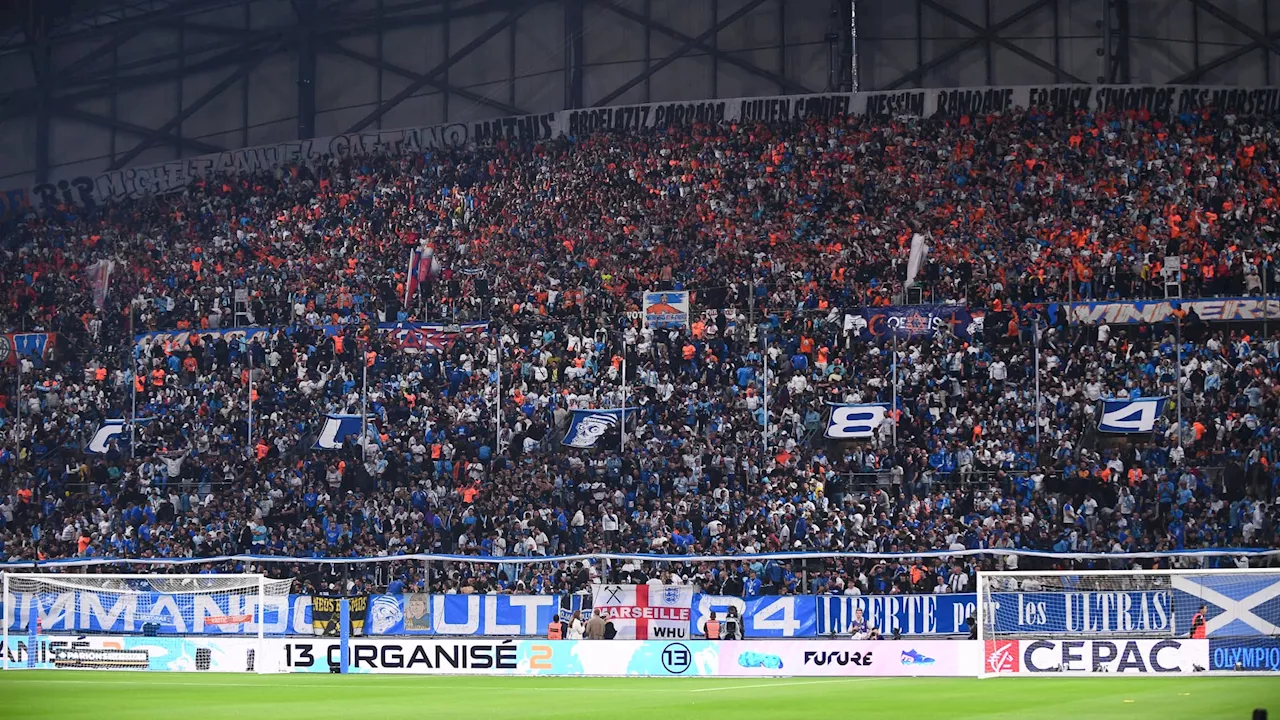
(407, 614)
(173, 176)
(1133, 657)
(910, 614)
(422, 337)
(909, 321)
(89, 612)
(792, 616)
(666, 309)
(508, 657)
(1138, 612)
(644, 612)
(1237, 605)
(1236, 608)
(326, 614)
(1147, 312)
(654, 658)
(33, 345)
(502, 615)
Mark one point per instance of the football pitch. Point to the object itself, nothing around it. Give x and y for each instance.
(105, 696)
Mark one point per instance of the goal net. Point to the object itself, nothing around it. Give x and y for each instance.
(1136, 622)
(215, 623)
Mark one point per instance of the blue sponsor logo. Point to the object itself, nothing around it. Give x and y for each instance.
(911, 657)
(760, 660)
(1245, 656)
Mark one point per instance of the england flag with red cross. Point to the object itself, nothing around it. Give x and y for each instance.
(645, 612)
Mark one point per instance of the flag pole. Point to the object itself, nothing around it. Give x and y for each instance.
(764, 360)
(622, 426)
(18, 419)
(364, 405)
(133, 391)
(1177, 376)
(1037, 413)
(248, 350)
(893, 412)
(497, 405)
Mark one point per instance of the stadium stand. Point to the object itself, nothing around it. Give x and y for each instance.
(783, 232)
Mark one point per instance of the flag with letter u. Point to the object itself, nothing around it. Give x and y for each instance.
(337, 428)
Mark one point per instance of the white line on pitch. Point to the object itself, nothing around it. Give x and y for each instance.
(781, 683)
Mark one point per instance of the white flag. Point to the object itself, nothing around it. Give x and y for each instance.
(919, 251)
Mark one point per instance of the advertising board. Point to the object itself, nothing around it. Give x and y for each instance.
(1135, 657)
(650, 658)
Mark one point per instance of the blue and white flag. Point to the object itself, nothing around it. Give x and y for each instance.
(337, 428)
(102, 439)
(588, 426)
(1131, 416)
(851, 422)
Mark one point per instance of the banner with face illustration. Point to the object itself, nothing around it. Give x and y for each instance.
(588, 426)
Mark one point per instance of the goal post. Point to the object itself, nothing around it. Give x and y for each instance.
(1155, 622)
(199, 623)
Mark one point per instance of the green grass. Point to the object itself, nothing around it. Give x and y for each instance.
(104, 696)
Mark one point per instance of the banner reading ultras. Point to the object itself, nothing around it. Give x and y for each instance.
(1134, 657)
(1159, 100)
(654, 658)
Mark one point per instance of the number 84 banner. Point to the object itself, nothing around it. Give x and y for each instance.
(762, 617)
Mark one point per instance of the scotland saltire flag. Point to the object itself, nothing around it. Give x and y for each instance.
(337, 428)
(588, 426)
(1131, 416)
(850, 422)
(1238, 605)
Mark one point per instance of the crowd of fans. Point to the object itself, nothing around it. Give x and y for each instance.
(782, 232)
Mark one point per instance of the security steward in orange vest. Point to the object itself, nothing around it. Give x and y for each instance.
(713, 628)
(555, 631)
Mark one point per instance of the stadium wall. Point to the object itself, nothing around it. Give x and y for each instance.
(173, 176)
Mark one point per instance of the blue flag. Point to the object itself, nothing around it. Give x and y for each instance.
(588, 426)
(855, 421)
(337, 428)
(1131, 416)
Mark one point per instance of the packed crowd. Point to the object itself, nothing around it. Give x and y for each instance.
(782, 232)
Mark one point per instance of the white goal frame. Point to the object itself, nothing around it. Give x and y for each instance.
(259, 581)
(987, 578)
